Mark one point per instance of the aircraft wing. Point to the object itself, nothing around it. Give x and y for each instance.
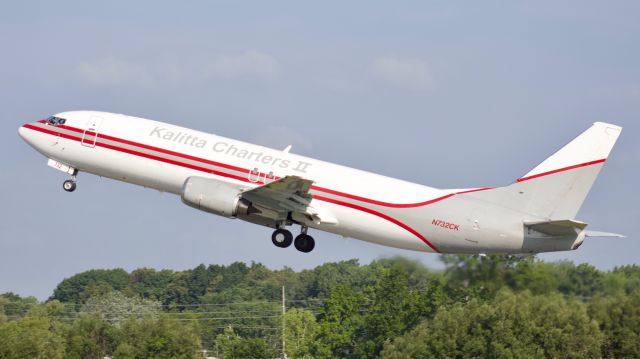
(285, 195)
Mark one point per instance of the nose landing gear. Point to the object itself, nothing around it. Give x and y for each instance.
(70, 184)
(283, 238)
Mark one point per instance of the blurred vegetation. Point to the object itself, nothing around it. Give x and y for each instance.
(492, 306)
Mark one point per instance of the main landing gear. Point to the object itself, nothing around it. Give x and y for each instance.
(70, 184)
(283, 238)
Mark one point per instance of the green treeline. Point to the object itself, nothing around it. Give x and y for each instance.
(494, 306)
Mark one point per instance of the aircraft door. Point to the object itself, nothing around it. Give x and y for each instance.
(90, 134)
(256, 175)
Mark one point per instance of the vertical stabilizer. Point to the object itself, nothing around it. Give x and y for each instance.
(591, 147)
(557, 187)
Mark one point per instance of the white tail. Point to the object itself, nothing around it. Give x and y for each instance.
(557, 187)
(592, 146)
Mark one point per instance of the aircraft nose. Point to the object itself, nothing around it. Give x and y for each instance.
(25, 133)
(22, 131)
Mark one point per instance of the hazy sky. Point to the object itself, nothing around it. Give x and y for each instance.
(446, 94)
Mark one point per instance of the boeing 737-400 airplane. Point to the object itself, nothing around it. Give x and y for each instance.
(278, 189)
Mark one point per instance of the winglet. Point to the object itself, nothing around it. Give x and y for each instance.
(287, 149)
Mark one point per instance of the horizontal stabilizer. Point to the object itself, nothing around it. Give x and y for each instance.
(603, 234)
(564, 227)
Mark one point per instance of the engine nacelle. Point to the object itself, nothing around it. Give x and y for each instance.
(215, 196)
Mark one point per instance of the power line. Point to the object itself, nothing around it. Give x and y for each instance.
(205, 304)
(137, 311)
(183, 305)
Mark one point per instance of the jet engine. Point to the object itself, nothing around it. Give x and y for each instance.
(215, 196)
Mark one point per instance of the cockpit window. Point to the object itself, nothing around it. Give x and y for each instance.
(52, 120)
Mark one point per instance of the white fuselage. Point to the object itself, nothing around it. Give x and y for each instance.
(365, 206)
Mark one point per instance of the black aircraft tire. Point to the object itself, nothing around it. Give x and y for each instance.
(304, 243)
(281, 238)
(69, 185)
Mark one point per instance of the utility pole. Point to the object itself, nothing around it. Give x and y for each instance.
(284, 353)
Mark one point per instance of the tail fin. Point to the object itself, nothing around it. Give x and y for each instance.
(591, 147)
(557, 187)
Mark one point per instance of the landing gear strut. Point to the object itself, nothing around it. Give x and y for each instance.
(70, 184)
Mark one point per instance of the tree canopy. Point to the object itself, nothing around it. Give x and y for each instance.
(493, 306)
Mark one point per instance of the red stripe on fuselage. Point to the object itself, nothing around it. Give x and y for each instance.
(158, 149)
(239, 169)
(380, 203)
(141, 154)
(218, 173)
(317, 188)
(379, 214)
(395, 205)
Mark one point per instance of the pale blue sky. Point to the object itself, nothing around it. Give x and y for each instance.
(445, 94)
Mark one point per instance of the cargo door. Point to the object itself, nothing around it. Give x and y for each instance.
(91, 129)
